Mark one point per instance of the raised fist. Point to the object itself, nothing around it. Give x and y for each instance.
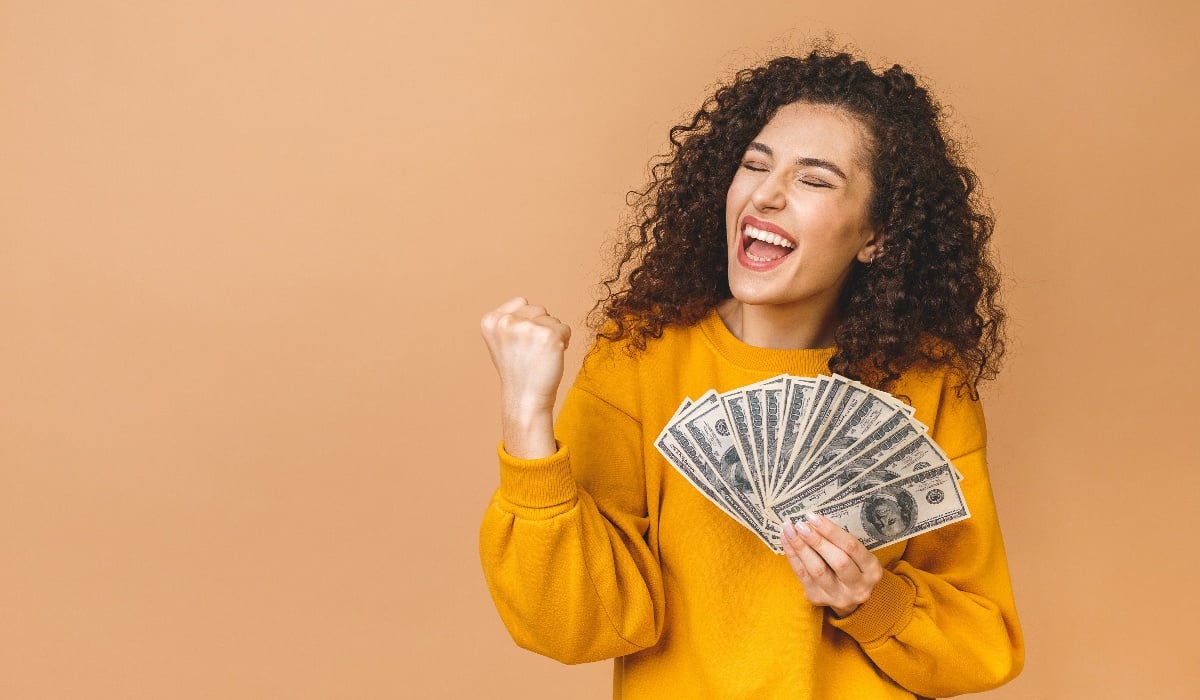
(527, 346)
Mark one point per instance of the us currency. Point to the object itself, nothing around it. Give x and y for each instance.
(821, 414)
(870, 414)
(706, 427)
(760, 396)
(787, 445)
(916, 454)
(773, 395)
(900, 509)
(758, 426)
(737, 411)
(850, 397)
(689, 462)
(888, 435)
(797, 398)
(818, 411)
(692, 466)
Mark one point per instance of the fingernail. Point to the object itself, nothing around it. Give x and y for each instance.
(803, 527)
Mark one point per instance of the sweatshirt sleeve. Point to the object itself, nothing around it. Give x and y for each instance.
(942, 620)
(563, 541)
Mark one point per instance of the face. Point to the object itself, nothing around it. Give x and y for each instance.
(796, 211)
(886, 517)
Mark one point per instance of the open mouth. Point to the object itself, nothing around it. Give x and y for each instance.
(763, 246)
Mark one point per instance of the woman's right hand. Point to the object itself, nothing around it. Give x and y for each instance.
(527, 346)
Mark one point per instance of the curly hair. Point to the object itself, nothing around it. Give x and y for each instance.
(932, 297)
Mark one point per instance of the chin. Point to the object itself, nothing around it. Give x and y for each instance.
(747, 292)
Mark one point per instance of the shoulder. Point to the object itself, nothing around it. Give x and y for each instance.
(618, 371)
(945, 401)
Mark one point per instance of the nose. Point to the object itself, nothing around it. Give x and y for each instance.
(769, 194)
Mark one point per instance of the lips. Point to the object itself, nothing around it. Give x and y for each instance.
(763, 245)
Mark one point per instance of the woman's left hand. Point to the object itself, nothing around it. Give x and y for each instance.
(833, 566)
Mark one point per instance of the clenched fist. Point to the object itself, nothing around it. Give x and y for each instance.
(527, 346)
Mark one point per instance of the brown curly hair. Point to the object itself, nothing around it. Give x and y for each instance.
(932, 296)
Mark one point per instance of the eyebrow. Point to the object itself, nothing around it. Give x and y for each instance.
(803, 160)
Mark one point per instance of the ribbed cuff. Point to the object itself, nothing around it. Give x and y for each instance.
(537, 483)
(889, 609)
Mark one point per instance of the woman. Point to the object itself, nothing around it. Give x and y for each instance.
(811, 218)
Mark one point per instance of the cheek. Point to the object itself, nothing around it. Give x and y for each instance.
(733, 207)
(732, 212)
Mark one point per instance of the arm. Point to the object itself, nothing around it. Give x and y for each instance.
(563, 540)
(939, 620)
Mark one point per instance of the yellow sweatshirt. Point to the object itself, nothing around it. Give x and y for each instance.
(603, 550)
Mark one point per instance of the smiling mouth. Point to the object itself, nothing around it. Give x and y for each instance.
(764, 246)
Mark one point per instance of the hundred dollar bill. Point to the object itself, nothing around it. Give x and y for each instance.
(817, 412)
(917, 454)
(870, 413)
(901, 509)
(691, 465)
(758, 438)
(773, 401)
(761, 396)
(887, 436)
(818, 422)
(850, 396)
(798, 394)
(705, 427)
(737, 408)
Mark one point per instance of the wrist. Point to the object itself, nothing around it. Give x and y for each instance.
(529, 434)
(841, 612)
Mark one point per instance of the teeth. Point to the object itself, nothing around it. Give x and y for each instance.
(768, 237)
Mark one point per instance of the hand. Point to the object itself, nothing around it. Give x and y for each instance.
(527, 346)
(833, 566)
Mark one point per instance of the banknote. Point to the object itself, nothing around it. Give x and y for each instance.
(869, 470)
(704, 430)
(900, 509)
(788, 445)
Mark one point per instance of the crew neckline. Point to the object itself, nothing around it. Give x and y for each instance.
(804, 361)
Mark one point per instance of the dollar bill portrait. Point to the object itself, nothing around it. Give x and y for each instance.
(890, 514)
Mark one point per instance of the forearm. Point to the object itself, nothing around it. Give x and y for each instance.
(568, 582)
(528, 431)
(942, 620)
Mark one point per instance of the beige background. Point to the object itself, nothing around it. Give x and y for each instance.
(246, 420)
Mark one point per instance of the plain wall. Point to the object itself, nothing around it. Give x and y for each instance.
(247, 424)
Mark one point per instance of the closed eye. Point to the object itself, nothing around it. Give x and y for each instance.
(756, 167)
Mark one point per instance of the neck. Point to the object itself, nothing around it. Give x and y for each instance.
(778, 327)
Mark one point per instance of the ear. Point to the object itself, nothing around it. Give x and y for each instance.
(872, 248)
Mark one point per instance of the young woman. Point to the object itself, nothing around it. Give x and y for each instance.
(811, 218)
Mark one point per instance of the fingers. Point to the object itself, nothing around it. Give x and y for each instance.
(805, 561)
(845, 542)
(833, 544)
(507, 316)
(529, 311)
(539, 316)
(511, 305)
(562, 330)
(527, 347)
(492, 319)
(834, 567)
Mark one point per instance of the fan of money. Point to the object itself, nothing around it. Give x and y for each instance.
(788, 446)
